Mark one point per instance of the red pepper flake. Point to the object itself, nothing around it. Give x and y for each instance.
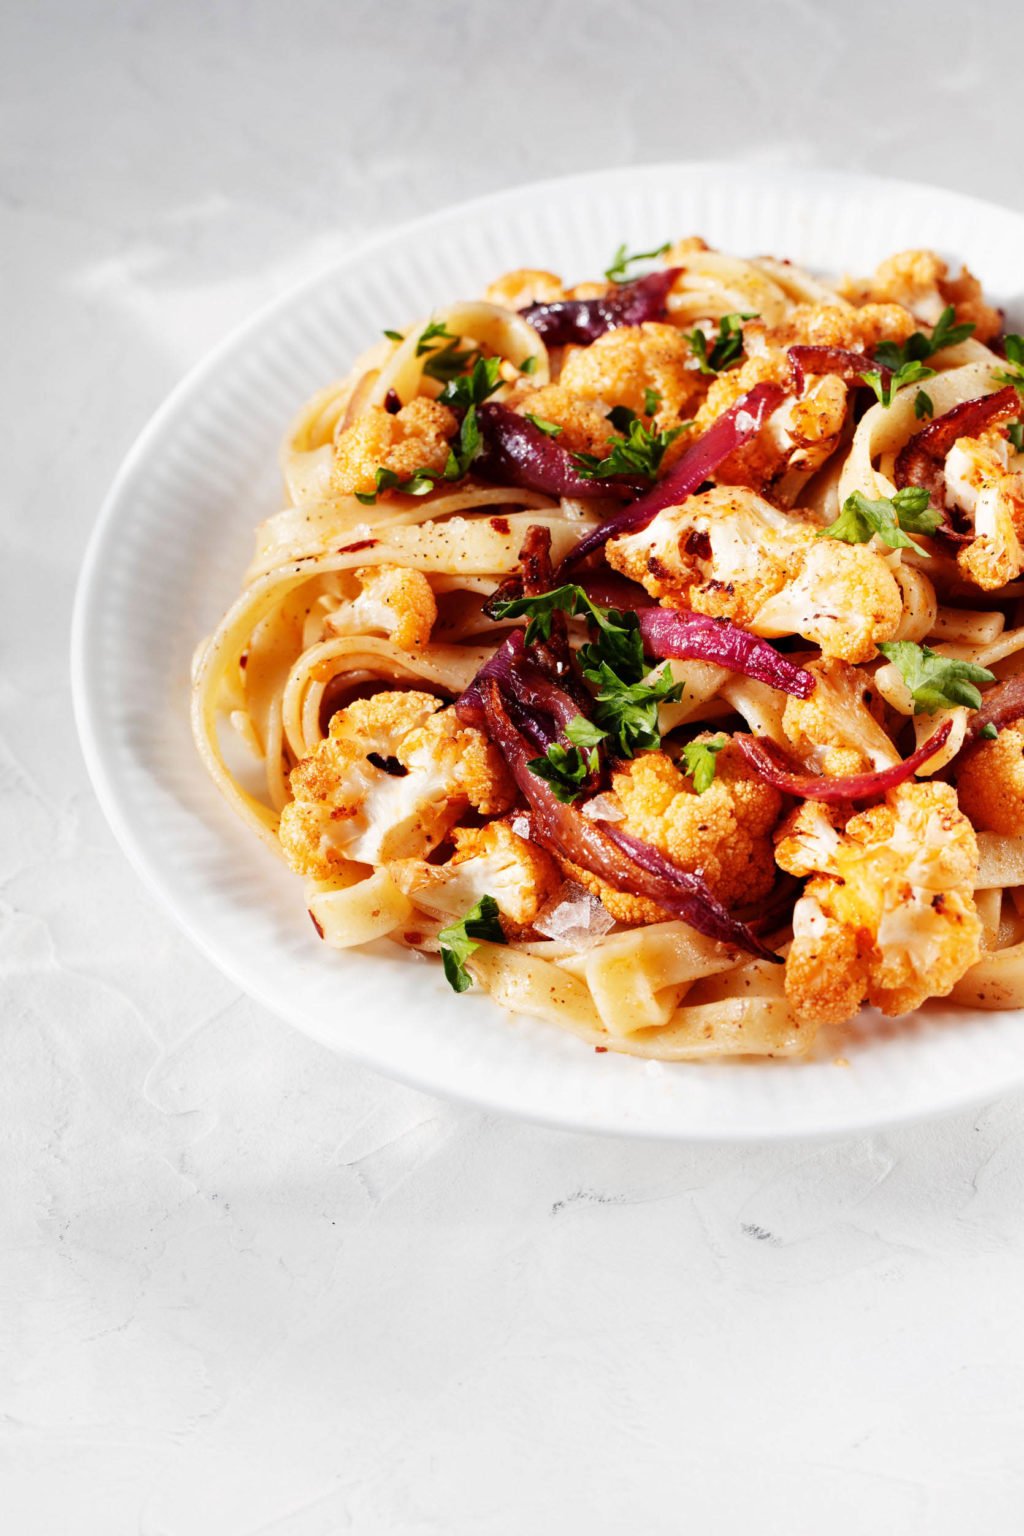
(500, 524)
(599, 1050)
(316, 925)
(413, 939)
(243, 660)
(350, 549)
(392, 402)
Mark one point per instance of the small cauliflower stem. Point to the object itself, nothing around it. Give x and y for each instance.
(349, 807)
(888, 912)
(990, 782)
(488, 861)
(525, 286)
(723, 834)
(806, 429)
(729, 553)
(835, 731)
(980, 482)
(416, 437)
(397, 601)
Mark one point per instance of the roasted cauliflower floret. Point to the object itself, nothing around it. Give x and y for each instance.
(488, 861)
(990, 782)
(888, 911)
(731, 554)
(834, 325)
(584, 428)
(920, 281)
(392, 598)
(724, 834)
(980, 482)
(416, 437)
(525, 286)
(799, 435)
(389, 780)
(837, 730)
(619, 367)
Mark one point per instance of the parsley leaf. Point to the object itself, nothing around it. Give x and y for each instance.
(923, 406)
(458, 940)
(473, 388)
(617, 272)
(699, 760)
(549, 428)
(935, 682)
(628, 712)
(565, 769)
(989, 732)
(419, 483)
(445, 361)
(394, 335)
(1015, 432)
(919, 347)
(619, 642)
(861, 518)
(435, 331)
(907, 373)
(640, 452)
(1013, 345)
(467, 447)
(728, 347)
(528, 365)
(652, 399)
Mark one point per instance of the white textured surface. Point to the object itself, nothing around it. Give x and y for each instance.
(245, 1287)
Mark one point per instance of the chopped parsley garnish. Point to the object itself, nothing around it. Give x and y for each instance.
(1014, 347)
(919, 347)
(1015, 432)
(728, 347)
(619, 642)
(394, 335)
(618, 273)
(652, 399)
(473, 388)
(886, 385)
(639, 452)
(419, 483)
(444, 361)
(699, 761)
(935, 682)
(528, 365)
(549, 428)
(465, 448)
(909, 511)
(627, 711)
(989, 732)
(923, 405)
(481, 925)
(567, 769)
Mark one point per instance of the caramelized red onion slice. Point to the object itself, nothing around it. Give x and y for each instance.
(999, 705)
(920, 461)
(846, 365)
(565, 831)
(469, 706)
(771, 765)
(581, 321)
(688, 636)
(732, 429)
(518, 453)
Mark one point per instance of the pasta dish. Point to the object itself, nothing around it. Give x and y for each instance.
(650, 652)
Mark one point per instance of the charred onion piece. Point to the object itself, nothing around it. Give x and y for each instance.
(999, 705)
(920, 461)
(771, 765)
(469, 706)
(850, 366)
(688, 636)
(583, 320)
(564, 830)
(518, 453)
(733, 428)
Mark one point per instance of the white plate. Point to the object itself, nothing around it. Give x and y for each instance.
(166, 560)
